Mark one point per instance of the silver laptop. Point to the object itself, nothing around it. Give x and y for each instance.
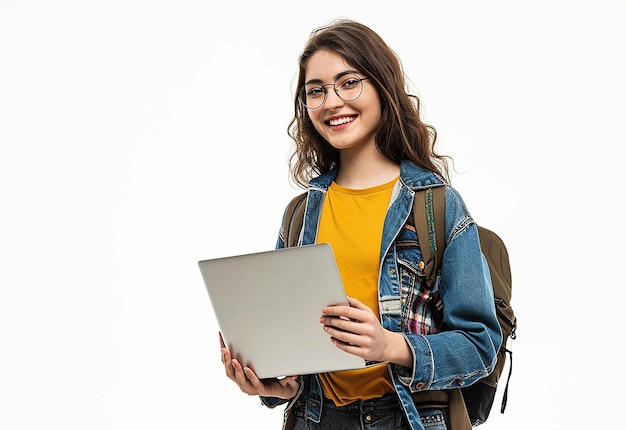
(268, 306)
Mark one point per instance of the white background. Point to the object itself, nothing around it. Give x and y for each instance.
(137, 137)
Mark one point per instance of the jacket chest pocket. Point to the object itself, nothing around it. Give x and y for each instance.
(419, 304)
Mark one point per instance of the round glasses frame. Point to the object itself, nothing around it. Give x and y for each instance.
(302, 94)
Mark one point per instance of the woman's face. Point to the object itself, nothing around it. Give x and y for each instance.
(345, 125)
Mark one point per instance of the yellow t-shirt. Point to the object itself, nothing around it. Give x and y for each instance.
(352, 222)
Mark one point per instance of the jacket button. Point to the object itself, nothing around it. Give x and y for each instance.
(420, 385)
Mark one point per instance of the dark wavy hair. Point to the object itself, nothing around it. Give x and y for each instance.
(401, 134)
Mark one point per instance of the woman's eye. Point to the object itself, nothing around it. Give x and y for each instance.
(315, 92)
(350, 83)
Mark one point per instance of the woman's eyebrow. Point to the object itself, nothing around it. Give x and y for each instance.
(337, 76)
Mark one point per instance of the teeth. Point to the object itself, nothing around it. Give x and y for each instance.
(339, 121)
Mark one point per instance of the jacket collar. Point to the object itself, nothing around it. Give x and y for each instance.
(416, 177)
(411, 175)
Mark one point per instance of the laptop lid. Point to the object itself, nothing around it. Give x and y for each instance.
(268, 306)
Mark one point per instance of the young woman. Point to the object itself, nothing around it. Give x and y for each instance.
(361, 150)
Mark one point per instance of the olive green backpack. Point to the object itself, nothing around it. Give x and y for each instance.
(429, 213)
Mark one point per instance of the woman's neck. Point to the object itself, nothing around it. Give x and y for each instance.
(365, 170)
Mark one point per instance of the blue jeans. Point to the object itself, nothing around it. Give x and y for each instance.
(384, 413)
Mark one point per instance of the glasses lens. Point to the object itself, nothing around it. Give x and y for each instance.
(349, 87)
(312, 96)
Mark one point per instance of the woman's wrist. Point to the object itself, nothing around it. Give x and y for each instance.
(398, 351)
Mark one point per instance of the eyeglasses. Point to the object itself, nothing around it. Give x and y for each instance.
(348, 87)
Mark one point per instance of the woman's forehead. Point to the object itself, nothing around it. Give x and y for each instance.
(325, 65)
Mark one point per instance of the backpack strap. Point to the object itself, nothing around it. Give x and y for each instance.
(505, 396)
(429, 211)
(294, 217)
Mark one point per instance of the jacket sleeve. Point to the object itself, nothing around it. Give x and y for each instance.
(465, 350)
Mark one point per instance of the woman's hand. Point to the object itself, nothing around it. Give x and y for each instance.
(249, 383)
(356, 330)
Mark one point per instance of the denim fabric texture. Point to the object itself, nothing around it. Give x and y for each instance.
(376, 414)
(464, 349)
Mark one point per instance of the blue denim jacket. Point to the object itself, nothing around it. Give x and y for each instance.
(456, 357)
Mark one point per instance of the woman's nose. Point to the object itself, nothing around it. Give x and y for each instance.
(333, 101)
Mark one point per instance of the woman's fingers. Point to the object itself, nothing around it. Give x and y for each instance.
(356, 311)
(228, 361)
(241, 378)
(254, 381)
(249, 383)
(355, 329)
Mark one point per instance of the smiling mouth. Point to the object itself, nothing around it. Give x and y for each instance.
(340, 121)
